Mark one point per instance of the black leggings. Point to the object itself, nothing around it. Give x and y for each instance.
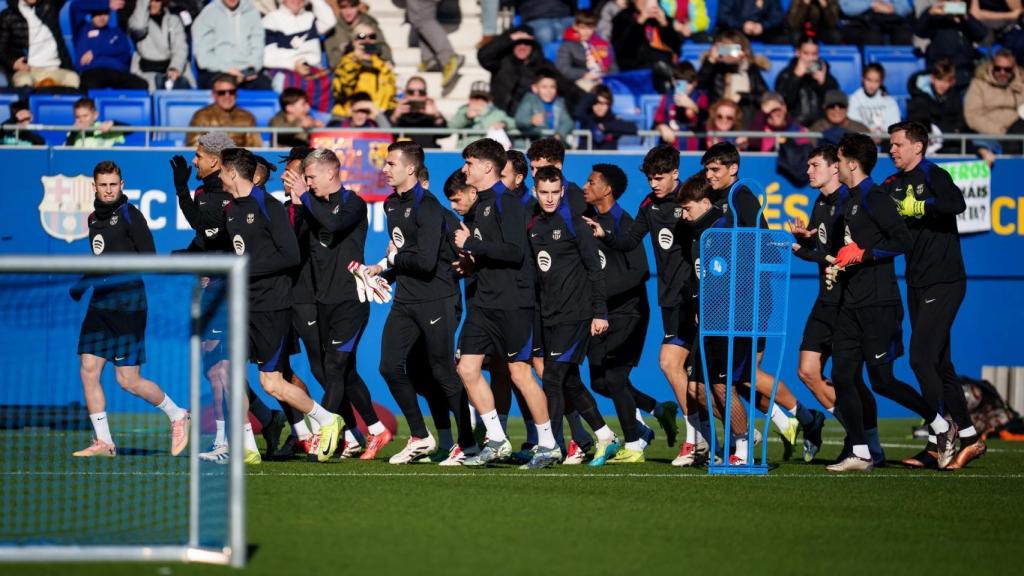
(562, 379)
(613, 382)
(850, 391)
(932, 312)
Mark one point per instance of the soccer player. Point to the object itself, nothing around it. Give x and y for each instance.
(818, 241)
(616, 352)
(869, 327)
(499, 317)
(721, 165)
(424, 308)
(258, 225)
(659, 215)
(929, 202)
(550, 151)
(573, 307)
(205, 214)
(114, 328)
(337, 234)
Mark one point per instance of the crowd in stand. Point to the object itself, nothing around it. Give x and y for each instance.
(331, 65)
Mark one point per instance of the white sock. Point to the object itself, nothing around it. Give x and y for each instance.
(831, 410)
(639, 415)
(377, 428)
(314, 426)
(637, 445)
(780, 418)
(171, 409)
(221, 437)
(495, 433)
(693, 423)
(545, 438)
(300, 428)
(741, 447)
(350, 437)
(445, 439)
(861, 451)
(321, 415)
(503, 418)
(102, 426)
(792, 411)
(604, 434)
(932, 439)
(967, 432)
(939, 425)
(250, 439)
(691, 432)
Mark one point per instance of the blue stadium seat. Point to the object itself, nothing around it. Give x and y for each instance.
(551, 50)
(900, 64)
(175, 108)
(263, 104)
(636, 81)
(692, 52)
(127, 106)
(6, 98)
(53, 109)
(712, 8)
(845, 65)
(648, 106)
(624, 104)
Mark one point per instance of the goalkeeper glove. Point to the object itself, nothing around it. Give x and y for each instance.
(910, 206)
(353, 268)
(377, 288)
(849, 254)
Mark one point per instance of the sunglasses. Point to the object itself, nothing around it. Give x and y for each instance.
(831, 106)
(365, 36)
(360, 111)
(1002, 69)
(416, 91)
(231, 92)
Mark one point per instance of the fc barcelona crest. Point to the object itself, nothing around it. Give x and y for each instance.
(250, 218)
(556, 234)
(67, 203)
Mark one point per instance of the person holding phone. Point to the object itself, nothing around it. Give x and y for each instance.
(416, 110)
(805, 81)
(362, 69)
(682, 109)
(730, 70)
(953, 34)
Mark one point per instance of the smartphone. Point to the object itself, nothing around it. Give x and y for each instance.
(730, 50)
(417, 105)
(814, 66)
(955, 8)
(371, 48)
(682, 87)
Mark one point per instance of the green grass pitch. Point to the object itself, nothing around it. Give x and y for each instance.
(372, 518)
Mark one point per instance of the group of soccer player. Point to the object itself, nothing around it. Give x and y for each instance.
(550, 277)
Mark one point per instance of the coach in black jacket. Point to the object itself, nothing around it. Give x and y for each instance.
(15, 48)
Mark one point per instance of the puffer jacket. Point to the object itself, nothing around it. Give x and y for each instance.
(990, 108)
(14, 33)
(376, 79)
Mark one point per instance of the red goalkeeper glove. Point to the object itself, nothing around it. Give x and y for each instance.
(849, 254)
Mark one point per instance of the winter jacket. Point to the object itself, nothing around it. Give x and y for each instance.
(290, 37)
(341, 37)
(213, 115)
(493, 115)
(159, 39)
(712, 77)
(223, 39)
(878, 112)
(990, 108)
(561, 122)
(511, 77)
(14, 33)
(950, 39)
(945, 112)
(376, 79)
(804, 96)
(109, 46)
(733, 13)
(638, 45)
(572, 55)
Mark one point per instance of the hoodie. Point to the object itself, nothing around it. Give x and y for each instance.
(877, 112)
(223, 39)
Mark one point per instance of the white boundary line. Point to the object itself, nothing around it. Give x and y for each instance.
(499, 473)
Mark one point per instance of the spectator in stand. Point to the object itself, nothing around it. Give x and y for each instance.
(480, 114)
(643, 36)
(804, 82)
(693, 22)
(228, 38)
(434, 44)
(877, 21)
(547, 18)
(731, 70)
(105, 56)
(543, 109)
(607, 12)
(225, 112)
(80, 13)
(936, 102)
(294, 114)
(837, 122)
(362, 114)
(759, 20)
(161, 46)
(994, 99)
(187, 10)
(772, 117)
(681, 109)
(513, 59)
(725, 116)
(595, 115)
(292, 55)
(817, 18)
(952, 37)
(363, 70)
(21, 115)
(417, 110)
(997, 15)
(32, 49)
(871, 104)
(89, 131)
(584, 57)
(349, 14)
(488, 21)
